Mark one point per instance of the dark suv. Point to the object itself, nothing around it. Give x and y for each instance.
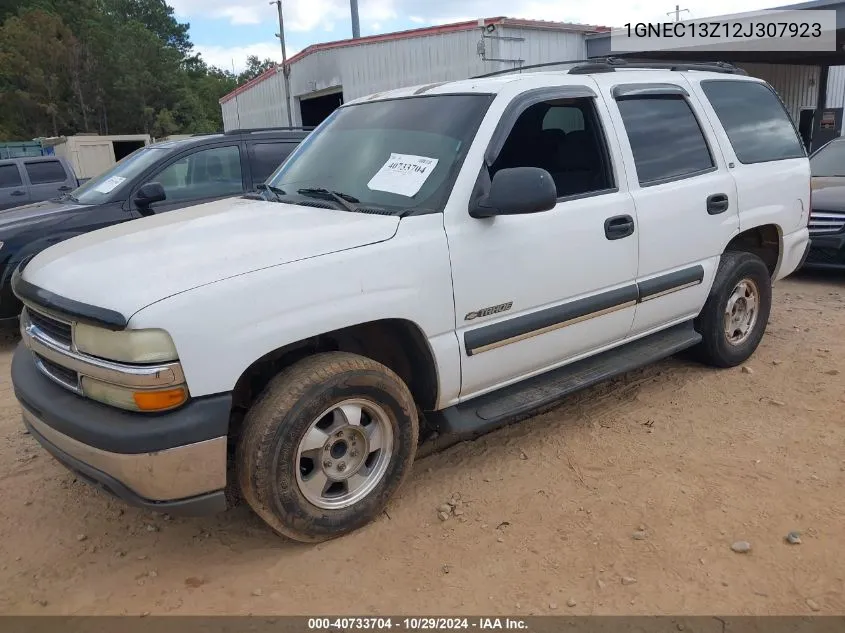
(156, 178)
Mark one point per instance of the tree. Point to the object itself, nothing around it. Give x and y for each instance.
(35, 71)
(254, 68)
(107, 66)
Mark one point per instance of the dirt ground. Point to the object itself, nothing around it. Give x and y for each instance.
(694, 457)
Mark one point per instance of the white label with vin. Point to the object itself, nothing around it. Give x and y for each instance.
(403, 174)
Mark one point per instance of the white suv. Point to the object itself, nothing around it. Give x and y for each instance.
(432, 262)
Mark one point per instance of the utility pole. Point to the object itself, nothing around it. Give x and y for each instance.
(356, 26)
(285, 69)
(678, 11)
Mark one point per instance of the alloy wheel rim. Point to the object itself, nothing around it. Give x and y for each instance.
(742, 311)
(344, 454)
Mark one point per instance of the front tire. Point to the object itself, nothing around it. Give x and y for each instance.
(326, 445)
(735, 316)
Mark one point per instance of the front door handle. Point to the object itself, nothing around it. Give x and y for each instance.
(65, 188)
(717, 203)
(618, 226)
(18, 193)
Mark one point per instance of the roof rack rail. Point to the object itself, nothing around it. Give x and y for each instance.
(507, 71)
(610, 64)
(254, 130)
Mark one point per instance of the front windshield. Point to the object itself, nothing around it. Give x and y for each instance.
(397, 155)
(829, 160)
(100, 188)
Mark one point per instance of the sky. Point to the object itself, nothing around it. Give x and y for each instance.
(225, 32)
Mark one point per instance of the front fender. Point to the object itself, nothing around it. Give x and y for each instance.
(221, 328)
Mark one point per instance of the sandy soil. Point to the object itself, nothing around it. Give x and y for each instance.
(695, 458)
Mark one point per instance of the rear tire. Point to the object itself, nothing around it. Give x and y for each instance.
(734, 319)
(326, 445)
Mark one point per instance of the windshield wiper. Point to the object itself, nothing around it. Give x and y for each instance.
(343, 199)
(277, 193)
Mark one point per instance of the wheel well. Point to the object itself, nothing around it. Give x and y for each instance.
(395, 343)
(763, 241)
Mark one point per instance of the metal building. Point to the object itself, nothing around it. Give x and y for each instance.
(323, 76)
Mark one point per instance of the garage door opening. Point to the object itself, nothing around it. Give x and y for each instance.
(124, 148)
(315, 109)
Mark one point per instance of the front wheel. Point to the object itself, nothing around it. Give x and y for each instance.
(326, 445)
(735, 316)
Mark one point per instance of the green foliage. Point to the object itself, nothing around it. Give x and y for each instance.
(254, 68)
(105, 66)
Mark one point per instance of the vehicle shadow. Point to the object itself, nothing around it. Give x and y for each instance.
(10, 335)
(820, 276)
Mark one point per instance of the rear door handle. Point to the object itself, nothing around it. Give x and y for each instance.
(65, 188)
(717, 203)
(18, 193)
(618, 226)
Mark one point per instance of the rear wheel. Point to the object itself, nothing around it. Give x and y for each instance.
(735, 316)
(326, 445)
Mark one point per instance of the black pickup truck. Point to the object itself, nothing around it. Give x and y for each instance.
(156, 178)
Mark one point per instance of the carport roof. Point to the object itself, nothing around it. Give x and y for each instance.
(598, 45)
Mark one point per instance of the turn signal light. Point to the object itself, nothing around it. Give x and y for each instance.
(160, 400)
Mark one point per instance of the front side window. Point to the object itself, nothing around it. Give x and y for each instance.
(45, 171)
(208, 173)
(829, 160)
(10, 176)
(563, 137)
(757, 125)
(665, 138)
(396, 155)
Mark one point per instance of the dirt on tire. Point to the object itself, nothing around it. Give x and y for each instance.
(626, 499)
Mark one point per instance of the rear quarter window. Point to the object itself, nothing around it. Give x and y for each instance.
(46, 171)
(756, 122)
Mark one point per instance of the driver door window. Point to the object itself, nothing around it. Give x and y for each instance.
(209, 173)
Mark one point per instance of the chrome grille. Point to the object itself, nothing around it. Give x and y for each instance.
(822, 221)
(57, 330)
(62, 375)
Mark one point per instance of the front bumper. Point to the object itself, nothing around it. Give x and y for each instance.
(172, 462)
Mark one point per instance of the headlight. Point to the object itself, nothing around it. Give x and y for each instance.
(129, 346)
(134, 399)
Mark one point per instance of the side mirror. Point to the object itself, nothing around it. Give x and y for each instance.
(148, 194)
(516, 191)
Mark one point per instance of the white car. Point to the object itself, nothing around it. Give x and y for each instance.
(437, 260)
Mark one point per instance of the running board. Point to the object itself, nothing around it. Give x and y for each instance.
(481, 415)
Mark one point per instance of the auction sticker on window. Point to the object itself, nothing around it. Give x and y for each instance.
(108, 185)
(403, 174)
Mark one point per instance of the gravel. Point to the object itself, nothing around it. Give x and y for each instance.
(741, 547)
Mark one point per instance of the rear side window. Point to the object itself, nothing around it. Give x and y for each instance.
(757, 124)
(264, 158)
(44, 172)
(665, 138)
(10, 176)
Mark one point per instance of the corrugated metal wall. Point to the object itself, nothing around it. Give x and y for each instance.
(836, 87)
(541, 45)
(377, 66)
(798, 86)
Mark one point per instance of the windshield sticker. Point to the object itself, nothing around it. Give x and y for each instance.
(109, 184)
(403, 174)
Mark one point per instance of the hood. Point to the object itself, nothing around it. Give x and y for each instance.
(829, 193)
(37, 211)
(128, 266)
